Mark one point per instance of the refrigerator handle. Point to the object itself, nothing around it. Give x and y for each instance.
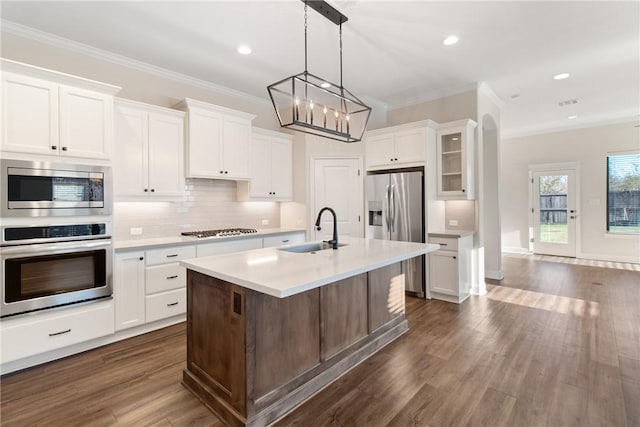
(388, 210)
(392, 208)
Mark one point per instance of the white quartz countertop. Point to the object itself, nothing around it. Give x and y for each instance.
(281, 274)
(451, 233)
(158, 242)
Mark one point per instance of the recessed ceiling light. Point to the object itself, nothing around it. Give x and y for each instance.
(572, 117)
(325, 85)
(451, 40)
(561, 76)
(244, 49)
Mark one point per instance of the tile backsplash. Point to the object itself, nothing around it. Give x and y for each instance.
(207, 204)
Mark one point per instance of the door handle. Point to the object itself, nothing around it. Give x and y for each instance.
(393, 208)
(388, 212)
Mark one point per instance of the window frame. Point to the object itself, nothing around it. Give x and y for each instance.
(608, 230)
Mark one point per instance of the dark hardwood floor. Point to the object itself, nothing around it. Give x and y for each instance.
(552, 345)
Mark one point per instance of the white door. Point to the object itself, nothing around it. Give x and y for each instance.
(554, 212)
(166, 173)
(130, 156)
(338, 184)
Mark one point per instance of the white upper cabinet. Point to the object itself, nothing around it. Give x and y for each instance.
(218, 141)
(55, 114)
(148, 160)
(397, 146)
(271, 168)
(455, 154)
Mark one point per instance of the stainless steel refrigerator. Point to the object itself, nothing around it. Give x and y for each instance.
(395, 211)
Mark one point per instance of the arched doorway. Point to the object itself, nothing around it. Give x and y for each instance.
(489, 202)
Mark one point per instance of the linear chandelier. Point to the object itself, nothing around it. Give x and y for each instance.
(307, 103)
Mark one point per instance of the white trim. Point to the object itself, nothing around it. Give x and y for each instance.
(515, 250)
(608, 257)
(93, 52)
(623, 116)
(542, 167)
(494, 274)
(622, 236)
(486, 90)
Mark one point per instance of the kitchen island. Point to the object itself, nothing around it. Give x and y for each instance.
(268, 328)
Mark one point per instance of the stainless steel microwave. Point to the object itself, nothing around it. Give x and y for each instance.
(36, 189)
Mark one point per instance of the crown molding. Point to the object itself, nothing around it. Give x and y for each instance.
(484, 89)
(114, 58)
(623, 116)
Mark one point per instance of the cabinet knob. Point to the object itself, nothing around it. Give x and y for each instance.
(221, 171)
(141, 258)
(54, 147)
(64, 148)
(226, 172)
(396, 159)
(454, 258)
(145, 190)
(463, 190)
(153, 190)
(391, 159)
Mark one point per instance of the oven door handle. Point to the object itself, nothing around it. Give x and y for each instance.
(39, 248)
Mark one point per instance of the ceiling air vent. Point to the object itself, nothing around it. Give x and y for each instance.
(567, 102)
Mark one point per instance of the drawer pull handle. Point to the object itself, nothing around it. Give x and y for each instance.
(175, 276)
(285, 241)
(442, 244)
(172, 256)
(60, 333)
(172, 304)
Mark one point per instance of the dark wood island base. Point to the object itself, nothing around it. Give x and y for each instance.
(252, 358)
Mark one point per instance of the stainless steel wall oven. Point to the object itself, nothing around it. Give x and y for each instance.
(37, 189)
(54, 265)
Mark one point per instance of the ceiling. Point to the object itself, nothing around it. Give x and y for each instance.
(392, 49)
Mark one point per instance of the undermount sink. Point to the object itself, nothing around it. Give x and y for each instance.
(310, 247)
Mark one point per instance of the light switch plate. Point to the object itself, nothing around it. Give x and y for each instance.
(453, 222)
(135, 231)
(265, 222)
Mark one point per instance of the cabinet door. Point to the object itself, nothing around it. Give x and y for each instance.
(443, 272)
(411, 145)
(204, 144)
(281, 169)
(29, 115)
(86, 123)
(380, 150)
(130, 159)
(236, 150)
(260, 185)
(166, 141)
(129, 290)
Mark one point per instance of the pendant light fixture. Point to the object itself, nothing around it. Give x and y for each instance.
(307, 103)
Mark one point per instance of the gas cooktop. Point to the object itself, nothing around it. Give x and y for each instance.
(222, 232)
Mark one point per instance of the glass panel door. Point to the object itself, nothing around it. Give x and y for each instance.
(554, 213)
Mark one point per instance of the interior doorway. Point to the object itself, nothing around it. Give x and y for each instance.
(338, 184)
(553, 211)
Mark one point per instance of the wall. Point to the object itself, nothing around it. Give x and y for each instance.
(589, 147)
(209, 203)
(447, 109)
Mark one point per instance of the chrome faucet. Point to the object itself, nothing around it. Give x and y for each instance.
(333, 242)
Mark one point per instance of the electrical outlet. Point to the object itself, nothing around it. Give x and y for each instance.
(265, 222)
(453, 222)
(135, 231)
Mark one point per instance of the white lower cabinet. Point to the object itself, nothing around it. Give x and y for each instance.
(450, 268)
(166, 304)
(128, 289)
(284, 239)
(27, 336)
(217, 248)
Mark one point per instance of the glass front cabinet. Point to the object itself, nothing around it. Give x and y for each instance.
(456, 160)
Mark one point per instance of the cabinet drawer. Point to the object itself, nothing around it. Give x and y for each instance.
(166, 304)
(24, 337)
(166, 277)
(165, 255)
(208, 249)
(446, 243)
(283, 239)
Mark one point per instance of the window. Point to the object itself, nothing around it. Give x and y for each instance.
(623, 193)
